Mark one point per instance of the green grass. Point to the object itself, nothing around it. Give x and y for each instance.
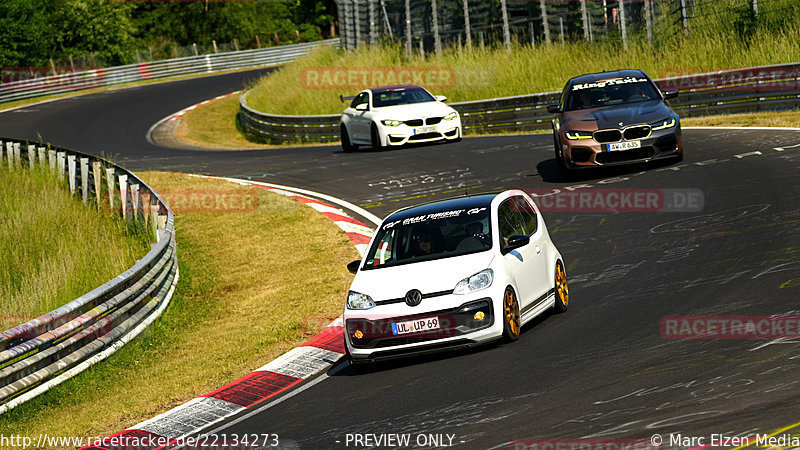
(252, 286)
(53, 248)
(711, 45)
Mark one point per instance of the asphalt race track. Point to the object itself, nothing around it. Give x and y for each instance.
(603, 369)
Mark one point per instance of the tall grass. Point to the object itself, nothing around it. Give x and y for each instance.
(730, 39)
(53, 248)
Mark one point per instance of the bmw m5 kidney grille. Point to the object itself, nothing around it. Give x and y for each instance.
(637, 132)
(606, 136)
(414, 122)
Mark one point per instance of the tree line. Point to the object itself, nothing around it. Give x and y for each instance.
(36, 32)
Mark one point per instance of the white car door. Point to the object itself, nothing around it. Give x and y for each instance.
(526, 264)
(360, 118)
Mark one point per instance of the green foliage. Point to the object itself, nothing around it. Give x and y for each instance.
(34, 31)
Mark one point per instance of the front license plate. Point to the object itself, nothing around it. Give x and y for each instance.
(415, 326)
(627, 145)
(425, 130)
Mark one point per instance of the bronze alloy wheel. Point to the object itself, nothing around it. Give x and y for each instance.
(562, 291)
(511, 324)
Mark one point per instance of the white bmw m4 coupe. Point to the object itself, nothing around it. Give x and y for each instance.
(397, 115)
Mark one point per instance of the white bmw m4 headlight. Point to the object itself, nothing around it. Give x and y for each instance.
(392, 123)
(480, 280)
(452, 116)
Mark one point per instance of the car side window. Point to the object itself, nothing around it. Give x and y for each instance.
(529, 217)
(359, 99)
(509, 220)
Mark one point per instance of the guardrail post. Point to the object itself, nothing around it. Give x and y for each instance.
(545, 23)
(123, 194)
(135, 201)
(17, 155)
(51, 157)
(85, 180)
(96, 174)
(31, 156)
(1, 151)
(10, 154)
(146, 207)
(42, 156)
(622, 24)
(71, 167)
(62, 165)
(154, 206)
(110, 182)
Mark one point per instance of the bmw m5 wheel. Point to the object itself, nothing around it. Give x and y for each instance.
(511, 320)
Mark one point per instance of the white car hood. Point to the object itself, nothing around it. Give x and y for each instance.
(427, 276)
(414, 111)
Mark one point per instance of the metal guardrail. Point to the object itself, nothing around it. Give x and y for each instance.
(767, 88)
(53, 347)
(90, 79)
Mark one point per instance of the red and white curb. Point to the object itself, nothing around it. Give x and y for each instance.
(179, 114)
(289, 370)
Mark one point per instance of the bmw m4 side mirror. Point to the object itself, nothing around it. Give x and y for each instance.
(555, 109)
(353, 266)
(441, 98)
(670, 94)
(362, 107)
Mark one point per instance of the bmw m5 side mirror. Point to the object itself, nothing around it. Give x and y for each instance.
(353, 266)
(362, 107)
(670, 94)
(516, 241)
(555, 109)
(440, 98)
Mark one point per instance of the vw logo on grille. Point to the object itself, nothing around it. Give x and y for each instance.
(413, 297)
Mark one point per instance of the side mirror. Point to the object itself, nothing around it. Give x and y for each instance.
(516, 241)
(362, 107)
(440, 98)
(670, 94)
(353, 266)
(555, 109)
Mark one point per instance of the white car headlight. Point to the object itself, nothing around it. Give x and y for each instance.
(480, 280)
(668, 123)
(452, 116)
(356, 300)
(574, 135)
(392, 123)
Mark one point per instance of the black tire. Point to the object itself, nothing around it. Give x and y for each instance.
(347, 147)
(560, 161)
(375, 138)
(511, 319)
(562, 290)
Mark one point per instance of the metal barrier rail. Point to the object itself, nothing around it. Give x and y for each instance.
(767, 88)
(53, 347)
(90, 79)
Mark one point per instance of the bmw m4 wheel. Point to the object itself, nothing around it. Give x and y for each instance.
(346, 145)
(511, 320)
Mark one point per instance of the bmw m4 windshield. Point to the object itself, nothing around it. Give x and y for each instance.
(430, 236)
(615, 91)
(401, 96)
